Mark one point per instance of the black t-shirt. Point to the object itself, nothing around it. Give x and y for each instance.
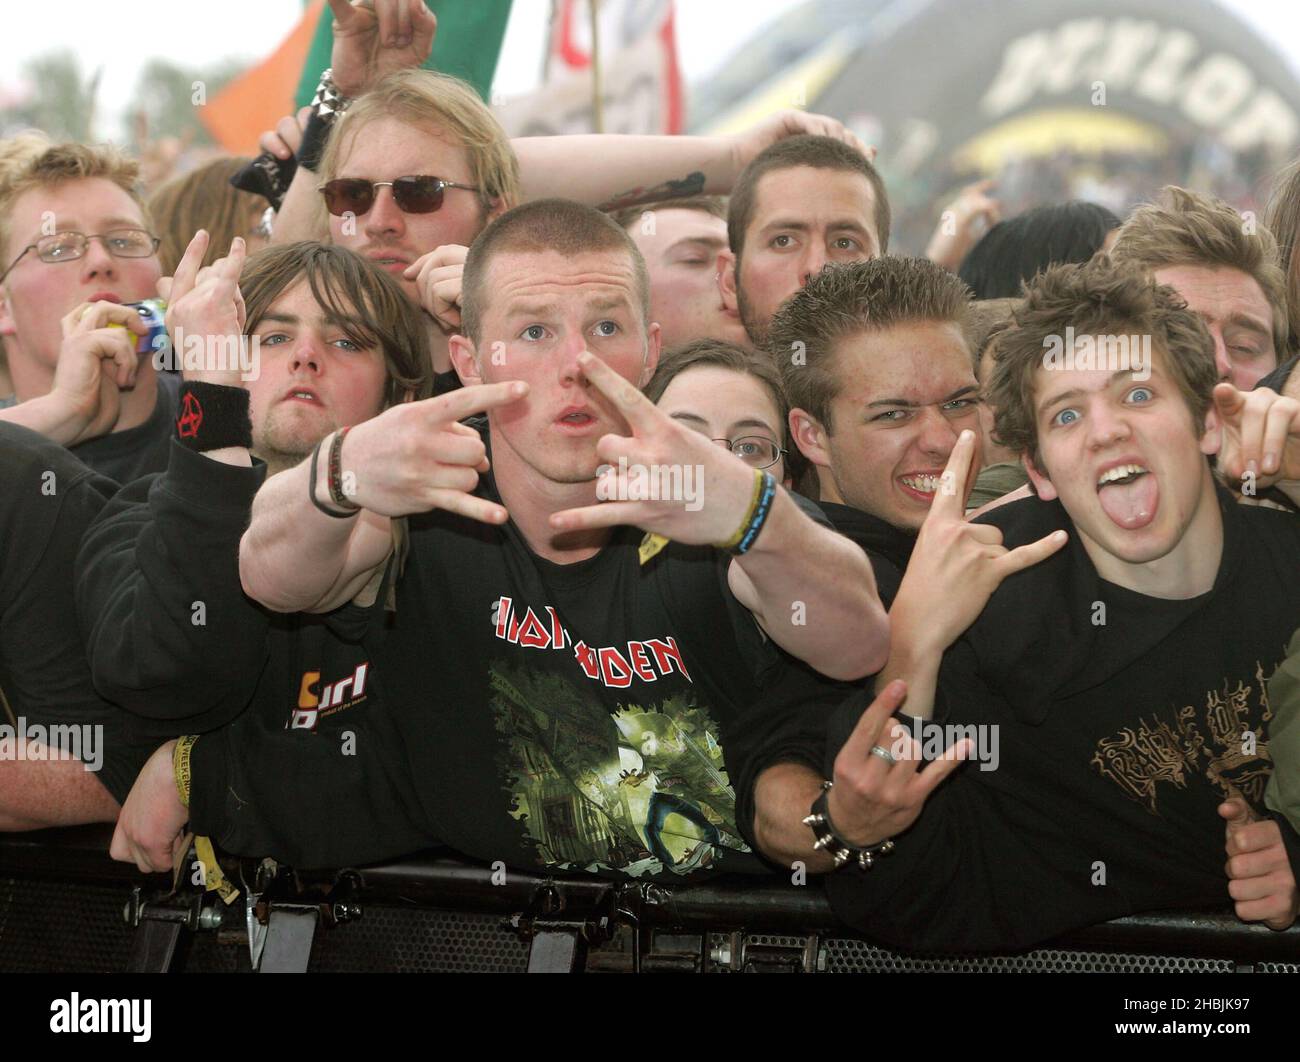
(602, 715)
(47, 499)
(887, 547)
(127, 455)
(1122, 722)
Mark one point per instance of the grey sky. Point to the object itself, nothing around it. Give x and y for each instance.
(120, 36)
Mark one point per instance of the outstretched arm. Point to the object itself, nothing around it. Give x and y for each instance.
(812, 591)
(409, 459)
(641, 169)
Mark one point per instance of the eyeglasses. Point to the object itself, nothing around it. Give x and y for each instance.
(755, 450)
(69, 246)
(413, 195)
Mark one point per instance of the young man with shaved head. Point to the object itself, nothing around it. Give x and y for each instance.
(600, 627)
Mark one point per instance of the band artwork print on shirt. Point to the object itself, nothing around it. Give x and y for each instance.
(640, 790)
(1225, 745)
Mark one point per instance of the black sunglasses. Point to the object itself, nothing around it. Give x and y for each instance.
(413, 195)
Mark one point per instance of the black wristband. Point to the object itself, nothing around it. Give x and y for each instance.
(267, 176)
(314, 138)
(828, 840)
(213, 416)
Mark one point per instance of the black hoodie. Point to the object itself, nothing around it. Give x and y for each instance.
(888, 548)
(1122, 722)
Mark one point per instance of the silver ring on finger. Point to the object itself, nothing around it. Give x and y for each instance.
(884, 754)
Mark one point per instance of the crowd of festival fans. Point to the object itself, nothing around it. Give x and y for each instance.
(621, 505)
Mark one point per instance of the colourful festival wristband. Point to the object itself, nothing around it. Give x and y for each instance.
(760, 504)
(181, 765)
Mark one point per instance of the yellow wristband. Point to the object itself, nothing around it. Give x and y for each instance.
(181, 766)
(760, 477)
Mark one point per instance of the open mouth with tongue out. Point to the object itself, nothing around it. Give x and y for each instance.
(1129, 494)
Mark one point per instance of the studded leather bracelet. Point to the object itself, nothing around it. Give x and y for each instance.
(819, 821)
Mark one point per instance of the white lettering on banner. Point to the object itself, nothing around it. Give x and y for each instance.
(1159, 64)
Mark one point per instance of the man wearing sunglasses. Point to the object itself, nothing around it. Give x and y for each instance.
(76, 246)
(429, 166)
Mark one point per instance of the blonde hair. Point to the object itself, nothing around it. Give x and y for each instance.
(31, 160)
(204, 198)
(1183, 228)
(424, 97)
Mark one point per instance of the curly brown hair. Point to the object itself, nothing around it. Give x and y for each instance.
(1098, 297)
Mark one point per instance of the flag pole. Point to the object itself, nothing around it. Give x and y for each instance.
(597, 109)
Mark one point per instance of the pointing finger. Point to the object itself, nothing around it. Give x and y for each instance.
(950, 501)
(868, 729)
(1228, 401)
(187, 269)
(638, 410)
(466, 401)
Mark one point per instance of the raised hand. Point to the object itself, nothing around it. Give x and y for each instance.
(1260, 880)
(1260, 437)
(437, 276)
(965, 220)
(873, 799)
(956, 565)
(206, 302)
(722, 484)
(415, 456)
(789, 123)
(373, 38)
(151, 825)
(286, 138)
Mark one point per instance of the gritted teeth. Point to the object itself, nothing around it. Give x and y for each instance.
(925, 484)
(1119, 472)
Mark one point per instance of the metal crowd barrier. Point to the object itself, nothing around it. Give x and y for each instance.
(66, 907)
